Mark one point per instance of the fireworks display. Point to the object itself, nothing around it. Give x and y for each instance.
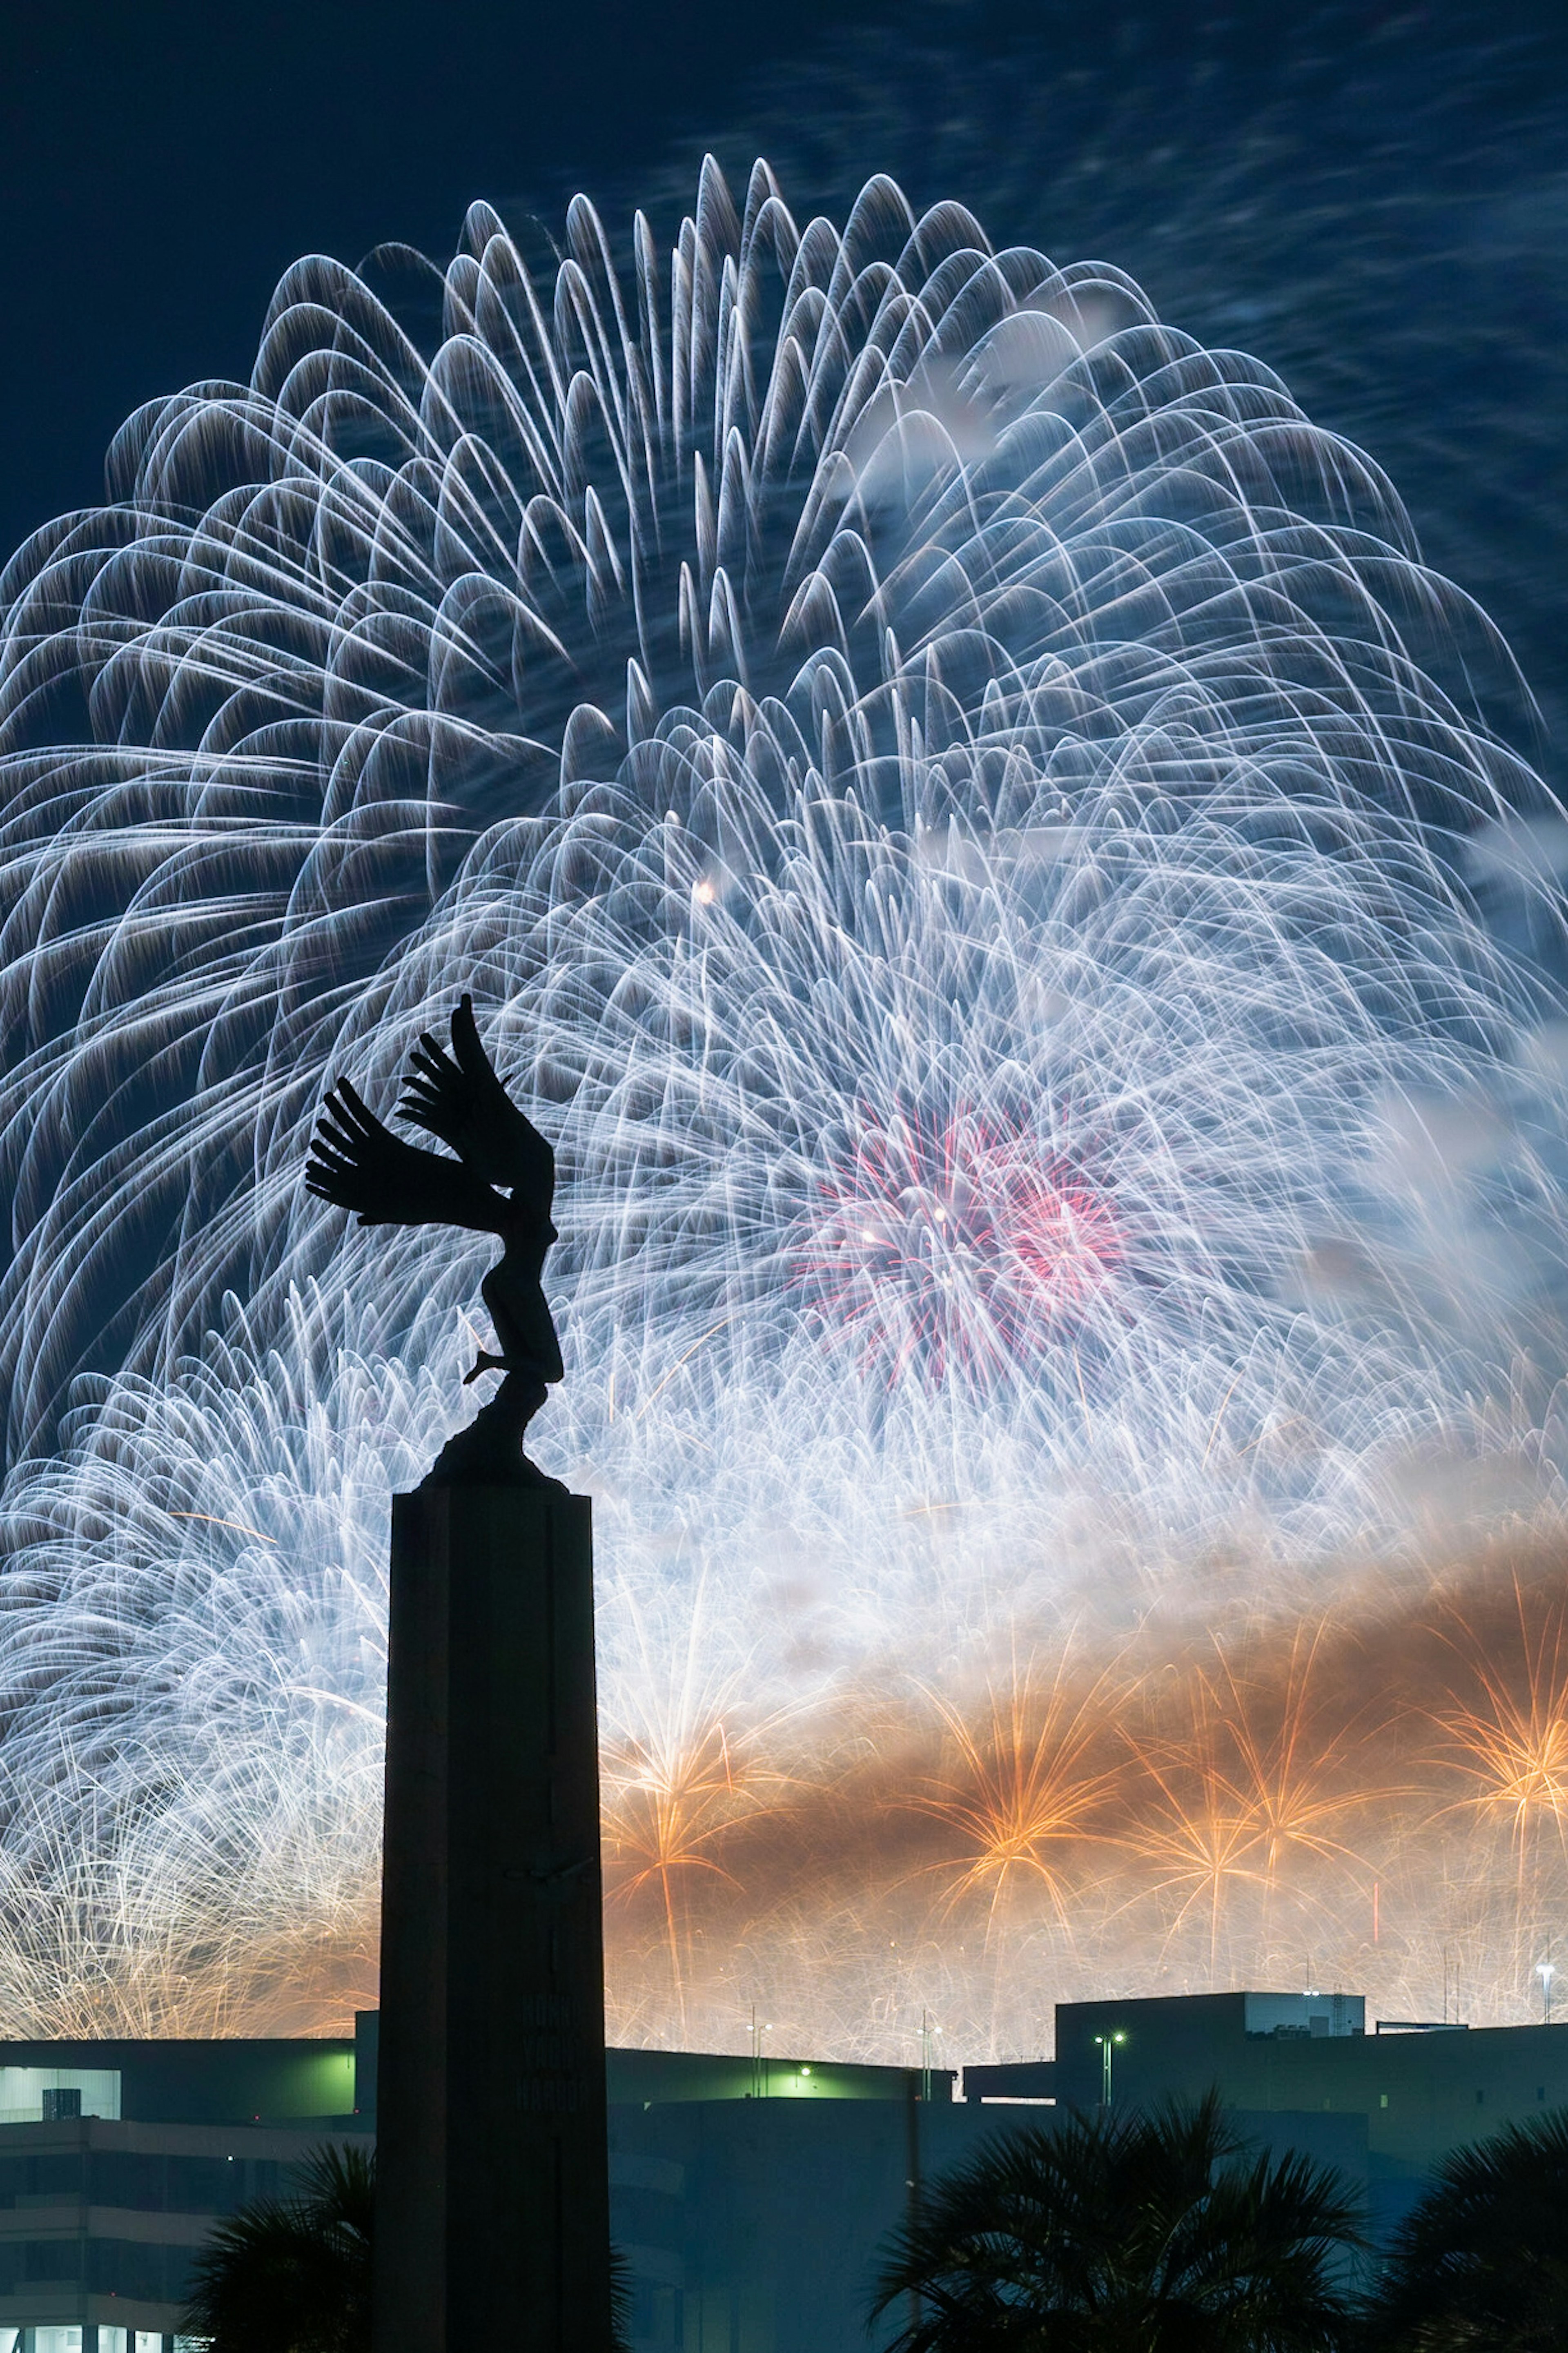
(967, 821)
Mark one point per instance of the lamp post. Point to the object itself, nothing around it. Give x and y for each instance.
(928, 2036)
(1546, 1971)
(1108, 2043)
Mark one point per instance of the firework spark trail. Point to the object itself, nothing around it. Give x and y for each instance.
(678, 1779)
(1029, 1786)
(898, 742)
(1508, 1738)
(1372, 233)
(1256, 1782)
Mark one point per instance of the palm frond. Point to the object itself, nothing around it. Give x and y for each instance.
(1151, 2229)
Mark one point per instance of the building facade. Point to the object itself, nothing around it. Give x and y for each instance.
(117, 2158)
(1415, 2089)
(750, 2195)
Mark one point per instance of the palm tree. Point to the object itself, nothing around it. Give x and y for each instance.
(293, 2274)
(1481, 2264)
(1142, 2233)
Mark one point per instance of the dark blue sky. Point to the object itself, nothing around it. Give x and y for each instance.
(161, 164)
(1373, 198)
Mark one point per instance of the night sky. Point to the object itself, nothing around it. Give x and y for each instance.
(160, 166)
(1375, 200)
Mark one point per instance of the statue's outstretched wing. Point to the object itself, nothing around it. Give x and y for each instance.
(360, 1165)
(459, 1097)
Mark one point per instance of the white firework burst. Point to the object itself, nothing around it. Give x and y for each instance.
(944, 794)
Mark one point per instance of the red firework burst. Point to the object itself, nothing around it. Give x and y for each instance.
(963, 1248)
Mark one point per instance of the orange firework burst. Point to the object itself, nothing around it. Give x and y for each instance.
(675, 1786)
(669, 1802)
(1028, 1787)
(1512, 1741)
(1257, 1782)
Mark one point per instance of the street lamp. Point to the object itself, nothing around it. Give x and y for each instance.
(1546, 1971)
(1108, 2043)
(759, 2065)
(928, 2032)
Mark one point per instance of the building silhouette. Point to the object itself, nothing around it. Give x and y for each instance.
(749, 2194)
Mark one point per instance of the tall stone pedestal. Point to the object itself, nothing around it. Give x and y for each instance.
(493, 2205)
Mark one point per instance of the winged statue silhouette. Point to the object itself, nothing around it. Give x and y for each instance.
(502, 1183)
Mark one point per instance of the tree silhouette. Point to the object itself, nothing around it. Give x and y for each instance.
(1149, 2232)
(1481, 2264)
(293, 2274)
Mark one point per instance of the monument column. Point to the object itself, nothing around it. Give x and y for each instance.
(492, 2221)
(493, 2180)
